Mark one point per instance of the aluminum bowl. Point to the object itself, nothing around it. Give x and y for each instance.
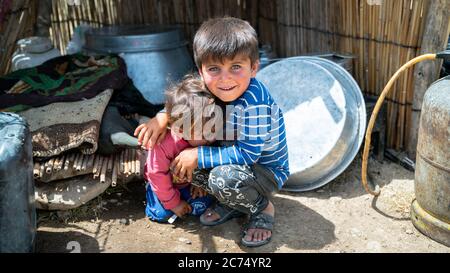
(324, 114)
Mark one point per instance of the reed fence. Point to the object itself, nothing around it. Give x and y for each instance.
(17, 20)
(380, 37)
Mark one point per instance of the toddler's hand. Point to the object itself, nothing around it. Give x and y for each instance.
(197, 192)
(182, 209)
(153, 132)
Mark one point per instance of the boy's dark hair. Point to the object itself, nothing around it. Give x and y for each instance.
(184, 97)
(225, 37)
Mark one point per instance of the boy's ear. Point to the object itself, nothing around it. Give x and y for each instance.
(255, 68)
(200, 73)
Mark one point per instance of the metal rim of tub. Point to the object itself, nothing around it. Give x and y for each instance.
(134, 38)
(356, 135)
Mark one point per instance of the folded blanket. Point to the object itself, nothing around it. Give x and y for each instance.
(129, 100)
(63, 79)
(63, 100)
(59, 127)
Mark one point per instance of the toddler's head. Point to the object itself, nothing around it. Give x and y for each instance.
(190, 106)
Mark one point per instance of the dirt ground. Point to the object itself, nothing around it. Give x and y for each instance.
(339, 217)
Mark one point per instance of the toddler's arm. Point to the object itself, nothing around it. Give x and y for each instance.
(159, 176)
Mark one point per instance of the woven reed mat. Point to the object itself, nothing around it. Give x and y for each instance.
(62, 126)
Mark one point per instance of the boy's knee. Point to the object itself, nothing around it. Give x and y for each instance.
(219, 179)
(217, 184)
(229, 177)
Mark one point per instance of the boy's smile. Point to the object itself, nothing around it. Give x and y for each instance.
(228, 79)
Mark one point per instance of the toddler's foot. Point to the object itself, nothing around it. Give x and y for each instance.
(218, 214)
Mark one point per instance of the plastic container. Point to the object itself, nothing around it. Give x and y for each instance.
(17, 203)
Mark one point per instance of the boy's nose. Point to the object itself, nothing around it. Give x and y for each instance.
(225, 75)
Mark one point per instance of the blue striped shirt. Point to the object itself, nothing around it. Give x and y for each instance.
(260, 136)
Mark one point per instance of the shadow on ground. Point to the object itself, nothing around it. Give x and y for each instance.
(297, 227)
(348, 184)
(65, 242)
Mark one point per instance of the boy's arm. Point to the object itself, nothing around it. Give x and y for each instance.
(245, 152)
(152, 132)
(241, 153)
(253, 128)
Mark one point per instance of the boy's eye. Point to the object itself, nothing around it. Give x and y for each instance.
(213, 69)
(235, 67)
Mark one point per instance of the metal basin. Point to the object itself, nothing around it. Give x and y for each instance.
(133, 38)
(325, 118)
(155, 55)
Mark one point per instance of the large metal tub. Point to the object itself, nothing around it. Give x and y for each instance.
(325, 118)
(155, 55)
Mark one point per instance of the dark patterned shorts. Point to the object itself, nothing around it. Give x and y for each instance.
(241, 187)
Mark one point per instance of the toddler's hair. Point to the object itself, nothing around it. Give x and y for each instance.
(224, 38)
(184, 97)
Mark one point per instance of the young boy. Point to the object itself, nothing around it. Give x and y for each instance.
(244, 175)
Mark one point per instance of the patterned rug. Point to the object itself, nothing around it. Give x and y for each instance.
(62, 79)
(63, 100)
(62, 126)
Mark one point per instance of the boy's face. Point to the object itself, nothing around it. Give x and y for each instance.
(229, 79)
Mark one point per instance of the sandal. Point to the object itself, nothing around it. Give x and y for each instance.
(224, 212)
(260, 221)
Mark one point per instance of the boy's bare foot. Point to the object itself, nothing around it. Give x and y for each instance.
(256, 235)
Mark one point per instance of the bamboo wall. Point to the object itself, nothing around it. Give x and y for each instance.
(381, 37)
(186, 13)
(17, 18)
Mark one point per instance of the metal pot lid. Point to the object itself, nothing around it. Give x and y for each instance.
(324, 114)
(133, 38)
(35, 44)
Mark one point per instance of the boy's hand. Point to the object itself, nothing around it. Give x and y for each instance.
(197, 192)
(182, 209)
(185, 163)
(153, 132)
(177, 180)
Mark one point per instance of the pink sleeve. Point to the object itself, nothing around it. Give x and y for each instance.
(157, 172)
